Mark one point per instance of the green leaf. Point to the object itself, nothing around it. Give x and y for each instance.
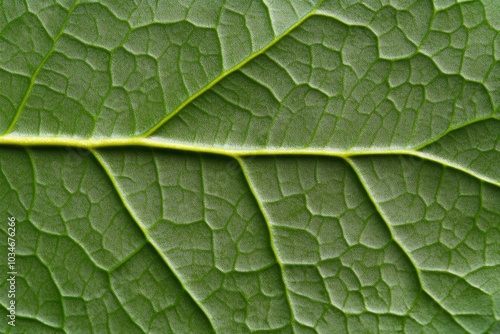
(251, 166)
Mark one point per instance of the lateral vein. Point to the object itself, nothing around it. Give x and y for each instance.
(229, 71)
(38, 69)
(132, 214)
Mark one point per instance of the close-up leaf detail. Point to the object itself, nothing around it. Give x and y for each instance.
(208, 166)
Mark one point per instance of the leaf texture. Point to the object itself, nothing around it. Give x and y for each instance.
(252, 166)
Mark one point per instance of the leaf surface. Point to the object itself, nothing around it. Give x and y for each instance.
(252, 166)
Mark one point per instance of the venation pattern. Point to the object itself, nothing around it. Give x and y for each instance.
(252, 166)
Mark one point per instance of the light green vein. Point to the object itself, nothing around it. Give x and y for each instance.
(382, 215)
(38, 69)
(271, 235)
(128, 314)
(133, 215)
(452, 129)
(234, 152)
(21, 317)
(229, 71)
(128, 257)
